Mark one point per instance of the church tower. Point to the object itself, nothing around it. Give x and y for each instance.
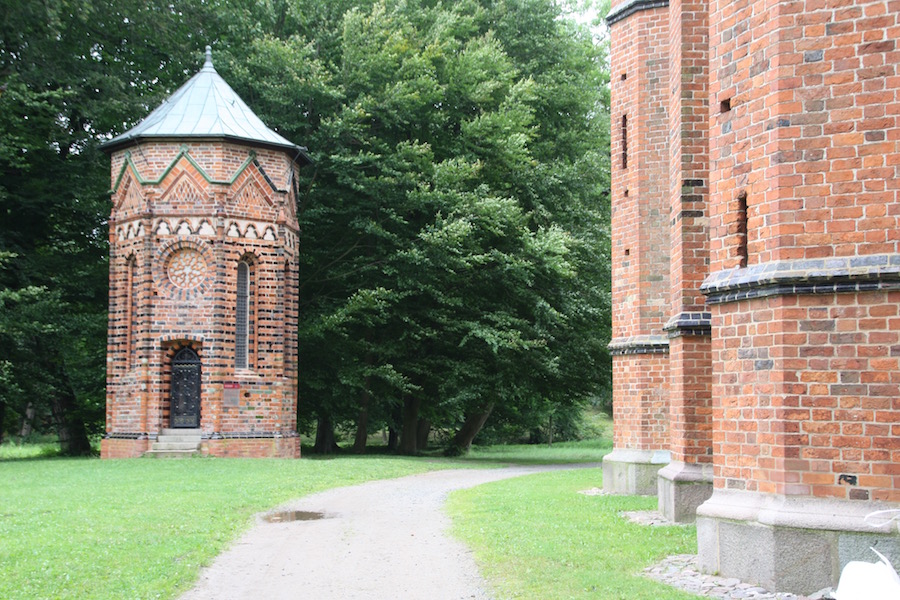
(202, 350)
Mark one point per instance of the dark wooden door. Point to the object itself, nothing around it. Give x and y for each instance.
(185, 402)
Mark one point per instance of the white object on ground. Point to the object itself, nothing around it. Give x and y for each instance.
(868, 581)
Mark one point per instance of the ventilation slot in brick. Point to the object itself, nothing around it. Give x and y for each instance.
(624, 141)
(725, 105)
(742, 228)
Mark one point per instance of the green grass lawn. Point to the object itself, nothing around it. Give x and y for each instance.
(586, 451)
(85, 528)
(536, 537)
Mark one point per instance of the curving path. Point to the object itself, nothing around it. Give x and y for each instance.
(379, 540)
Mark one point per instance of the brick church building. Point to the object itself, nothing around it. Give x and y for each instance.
(202, 351)
(756, 277)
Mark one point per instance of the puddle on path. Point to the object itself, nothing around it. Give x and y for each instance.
(293, 515)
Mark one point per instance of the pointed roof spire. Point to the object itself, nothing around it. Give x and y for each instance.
(205, 107)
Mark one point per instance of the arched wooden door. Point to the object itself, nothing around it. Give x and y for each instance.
(185, 400)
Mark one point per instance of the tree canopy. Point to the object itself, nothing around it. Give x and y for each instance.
(455, 243)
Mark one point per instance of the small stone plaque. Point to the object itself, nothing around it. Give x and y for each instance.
(231, 398)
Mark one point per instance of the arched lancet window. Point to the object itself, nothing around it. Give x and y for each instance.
(242, 317)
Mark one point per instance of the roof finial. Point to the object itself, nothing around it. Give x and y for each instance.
(208, 62)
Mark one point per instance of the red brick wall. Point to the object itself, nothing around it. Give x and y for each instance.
(806, 383)
(690, 399)
(640, 254)
(688, 153)
(123, 448)
(640, 191)
(640, 409)
(806, 395)
(253, 448)
(690, 359)
(214, 201)
(812, 133)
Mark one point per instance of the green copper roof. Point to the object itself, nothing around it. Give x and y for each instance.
(205, 107)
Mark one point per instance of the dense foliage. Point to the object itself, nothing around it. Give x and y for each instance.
(455, 250)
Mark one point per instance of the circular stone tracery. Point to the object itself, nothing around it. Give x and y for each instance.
(186, 269)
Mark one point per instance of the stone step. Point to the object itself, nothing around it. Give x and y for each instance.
(189, 446)
(181, 431)
(172, 453)
(183, 439)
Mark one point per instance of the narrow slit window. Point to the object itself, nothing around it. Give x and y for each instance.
(242, 316)
(624, 141)
(131, 304)
(742, 229)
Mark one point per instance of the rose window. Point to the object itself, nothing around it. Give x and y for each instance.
(186, 269)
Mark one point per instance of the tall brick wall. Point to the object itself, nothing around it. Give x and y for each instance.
(640, 253)
(806, 98)
(184, 215)
(803, 286)
(781, 208)
(689, 327)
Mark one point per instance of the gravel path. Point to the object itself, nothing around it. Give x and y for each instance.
(379, 540)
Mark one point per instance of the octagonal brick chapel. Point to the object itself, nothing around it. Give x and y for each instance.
(202, 350)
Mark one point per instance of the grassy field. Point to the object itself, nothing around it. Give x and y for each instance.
(537, 537)
(85, 528)
(588, 451)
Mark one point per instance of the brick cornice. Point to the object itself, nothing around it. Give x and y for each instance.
(795, 277)
(639, 344)
(630, 7)
(689, 323)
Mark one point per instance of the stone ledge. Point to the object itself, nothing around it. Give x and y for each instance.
(689, 323)
(800, 544)
(633, 472)
(639, 344)
(802, 512)
(682, 488)
(628, 8)
(250, 435)
(814, 276)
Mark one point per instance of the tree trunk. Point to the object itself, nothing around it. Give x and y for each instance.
(73, 439)
(550, 432)
(2, 417)
(362, 424)
(325, 442)
(423, 430)
(410, 425)
(393, 439)
(27, 421)
(462, 441)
